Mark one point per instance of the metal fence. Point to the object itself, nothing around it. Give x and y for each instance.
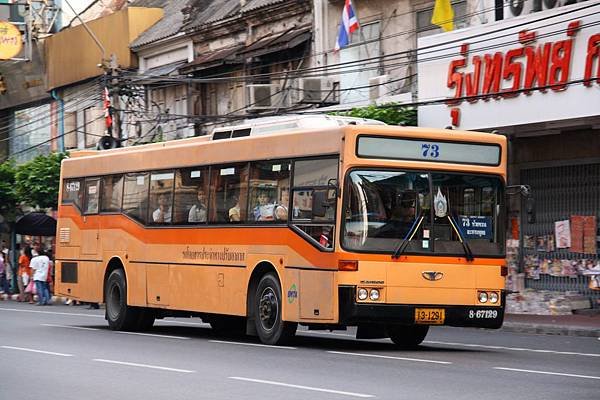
(562, 191)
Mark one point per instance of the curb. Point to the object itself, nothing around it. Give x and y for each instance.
(550, 330)
(53, 299)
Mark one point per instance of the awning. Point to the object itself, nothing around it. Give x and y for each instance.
(236, 54)
(164, 70)
(277, 42)
(213, 59)
(36, 224)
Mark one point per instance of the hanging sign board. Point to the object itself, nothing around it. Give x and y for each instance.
(11, 41)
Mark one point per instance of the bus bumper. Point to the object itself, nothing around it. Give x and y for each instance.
(352, 313)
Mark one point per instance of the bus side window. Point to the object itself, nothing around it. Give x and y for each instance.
(191, 196)
(73, 192)
(92, 196)
(313, 209)
(228, 193)
(112, 190)
(161, 197)
(135, 196)
(269, 191)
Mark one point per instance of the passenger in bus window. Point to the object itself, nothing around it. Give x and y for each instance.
(281, 211)
(264, 211)
(163, 213)
(234, 212)
(198, 212)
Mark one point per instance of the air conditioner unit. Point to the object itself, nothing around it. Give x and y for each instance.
(317, 90)
(379, 86)
(264, 96)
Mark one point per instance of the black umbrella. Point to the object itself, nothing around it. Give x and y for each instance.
(36, 224)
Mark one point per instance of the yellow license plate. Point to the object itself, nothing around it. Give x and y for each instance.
(430, 316)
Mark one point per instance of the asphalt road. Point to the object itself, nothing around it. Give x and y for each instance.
(64, 352)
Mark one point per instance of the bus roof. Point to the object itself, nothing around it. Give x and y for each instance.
(203, 150)
(287, 123)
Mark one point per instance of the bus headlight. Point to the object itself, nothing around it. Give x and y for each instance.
(493, 297)
(374, 295)
(362, 294)
(483, 297)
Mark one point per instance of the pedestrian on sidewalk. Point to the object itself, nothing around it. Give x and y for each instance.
(4, 290)
(25, 274)
(8, 270)
(40, 265)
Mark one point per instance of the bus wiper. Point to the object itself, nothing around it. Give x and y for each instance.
(463, 240)
(409, 235)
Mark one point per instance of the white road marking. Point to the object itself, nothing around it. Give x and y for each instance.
(254, 344)
(71, 327)
(187, 371)
(389, 357)
(152, 334)
(548, 373)
(51, 312)
(314, 389)
(38, 351)
(570, 353)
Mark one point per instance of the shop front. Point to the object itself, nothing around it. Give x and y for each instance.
(535, 79)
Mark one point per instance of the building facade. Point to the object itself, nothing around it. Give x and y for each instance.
(535, 79)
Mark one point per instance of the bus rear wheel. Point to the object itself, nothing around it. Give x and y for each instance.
(407, 337)
(119, 315)
(270, 327)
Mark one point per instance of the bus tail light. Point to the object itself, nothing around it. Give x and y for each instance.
(503, 270)
(348, 265)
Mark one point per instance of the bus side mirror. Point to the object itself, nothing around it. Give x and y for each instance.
(319, 203)
(530, 209)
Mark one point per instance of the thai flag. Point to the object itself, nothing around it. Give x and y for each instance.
(107, 113)
(348, 25)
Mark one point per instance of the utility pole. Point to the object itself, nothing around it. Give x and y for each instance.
(116, 100)
(110, 68)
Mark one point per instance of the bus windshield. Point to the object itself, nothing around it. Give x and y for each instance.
(432, 211)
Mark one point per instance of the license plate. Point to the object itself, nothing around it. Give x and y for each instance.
(430, 316)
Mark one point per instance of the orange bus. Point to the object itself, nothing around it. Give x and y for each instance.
(327, 222)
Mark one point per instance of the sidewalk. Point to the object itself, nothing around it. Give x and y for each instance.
(569, 325)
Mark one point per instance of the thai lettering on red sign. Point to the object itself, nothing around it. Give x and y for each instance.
(525, 68)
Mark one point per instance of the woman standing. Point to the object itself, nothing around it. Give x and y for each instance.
(24, 274)
(3, 281)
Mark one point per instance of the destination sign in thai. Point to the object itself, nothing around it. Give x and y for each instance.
(476, 227)
(428, 150)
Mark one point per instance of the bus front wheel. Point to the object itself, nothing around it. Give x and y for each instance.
(270, 327)
(407, 337)
(120, 316)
